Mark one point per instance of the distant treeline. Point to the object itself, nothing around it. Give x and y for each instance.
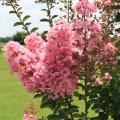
(18, 36)
(5, 39)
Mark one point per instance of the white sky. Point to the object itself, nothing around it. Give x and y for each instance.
(29, 7)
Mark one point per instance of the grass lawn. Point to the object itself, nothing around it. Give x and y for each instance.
(13, 96)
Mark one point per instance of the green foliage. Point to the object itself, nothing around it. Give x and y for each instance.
(116, 0)
(117, 17)
(102, 101)
(5, 39)
(106, 99)
(23, 20)
(49, 19)
(117, 13)
(19, 37)
(68, 9)
(115, 107)
(62, 108)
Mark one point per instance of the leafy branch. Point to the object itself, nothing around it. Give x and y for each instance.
(68, 9)
(17, 10)
(49, 18)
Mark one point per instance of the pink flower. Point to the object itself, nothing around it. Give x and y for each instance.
(33, 42)
(13, 50)
(98, 81)
(110, 48)
(84, 7)
(92, 34)
(107, 55)
(58, 62)
(104, 3)
(95, 27)
(107, 3)
(107, 77)
(29, 117)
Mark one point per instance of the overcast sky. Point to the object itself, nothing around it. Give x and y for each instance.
(29, 7)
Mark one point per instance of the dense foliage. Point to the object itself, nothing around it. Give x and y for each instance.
(19, 37)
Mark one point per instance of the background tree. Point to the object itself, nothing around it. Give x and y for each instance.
(19, 37)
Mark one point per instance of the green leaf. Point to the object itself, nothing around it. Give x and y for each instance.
(26, 17)
(34, 29)
(117, 17)
(73, 108)
(51, 7)
(18, 23)
(54, 117)
(44, 20)
(54, 16)
(47, 103)
(43, 10)
(19, 9)
(27, 24)
(20, 13)
(80, 116)
(72, 17)
(81, 85)
(12, 12)
(116, 7)
(94, 118)
(44, 32)
(44, 99)
(37, 95)
(7, 4)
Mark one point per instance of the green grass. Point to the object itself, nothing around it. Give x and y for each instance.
(13, 97)
(1, 44)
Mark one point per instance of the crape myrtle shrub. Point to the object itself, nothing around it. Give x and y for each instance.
(76, 54)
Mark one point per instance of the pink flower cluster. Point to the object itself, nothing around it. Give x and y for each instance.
(87, 37)
(59, 60)
(84, 7)
(23, 61)
(45, 67)
(90, 38)
(106, 79)
(107, 3)
(13, 50)
(29, 117)
(98, 81)
(108, 51)
(104, 3)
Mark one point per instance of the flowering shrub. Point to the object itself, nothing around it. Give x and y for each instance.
(29, 117)
(85, 7)
(40, 68)
(74, 51)
(30, 112)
